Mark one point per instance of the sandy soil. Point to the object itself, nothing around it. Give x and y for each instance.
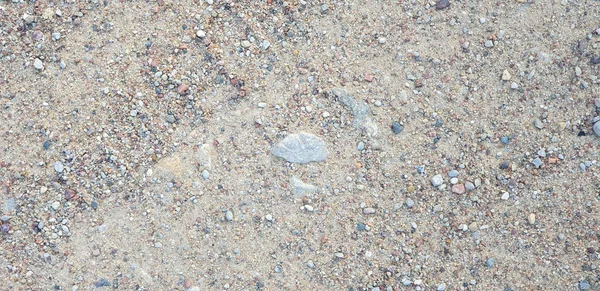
(136, 137)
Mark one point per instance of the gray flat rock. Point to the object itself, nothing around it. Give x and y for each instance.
(302, 188)
(301, 148)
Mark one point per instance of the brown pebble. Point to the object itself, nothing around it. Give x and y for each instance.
(187, 283)
(182, 88)
(71, 194)
(369, 77)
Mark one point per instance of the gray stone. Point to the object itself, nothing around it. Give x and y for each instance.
(229, 215)
(490, 262)
(441, 287)
(361, 146)
(437, 180)
(59, 167)
(369, 210)
(38, 64)
(265, 44)
(302, 188)
(397, 127)
(301, 148)
(410, 203)
(538, 123)
(469, 186)
(361, 112)
(489, 43)
(537, 162)
(205, 174)
(597, 128)
(56, 35)
(10, 205)
(584, 285)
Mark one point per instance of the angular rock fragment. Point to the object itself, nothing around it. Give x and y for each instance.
(301, 148)
(361, 112)
(302, 188)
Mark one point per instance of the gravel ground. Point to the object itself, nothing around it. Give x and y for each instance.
(295, 145)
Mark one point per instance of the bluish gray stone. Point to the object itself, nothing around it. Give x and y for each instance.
(469, 186)
(597, 128)
(584, 285)
(453, 173)
(361, 146)
(537, 162)
(397, 127)
(301, 148)
(490, 262)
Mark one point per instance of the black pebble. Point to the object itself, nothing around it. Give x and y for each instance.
(397, 127)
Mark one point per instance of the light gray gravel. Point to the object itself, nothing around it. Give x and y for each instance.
(301, 148)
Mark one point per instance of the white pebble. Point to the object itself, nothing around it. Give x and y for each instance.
(38, 64)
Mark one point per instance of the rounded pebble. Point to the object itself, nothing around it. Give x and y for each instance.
(229, 215)
(597, 128)
(59, 167)
(453, 173)
(397, 127)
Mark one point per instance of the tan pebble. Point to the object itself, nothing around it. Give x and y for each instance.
(473, 226)
(182, 88)
(531, 218)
